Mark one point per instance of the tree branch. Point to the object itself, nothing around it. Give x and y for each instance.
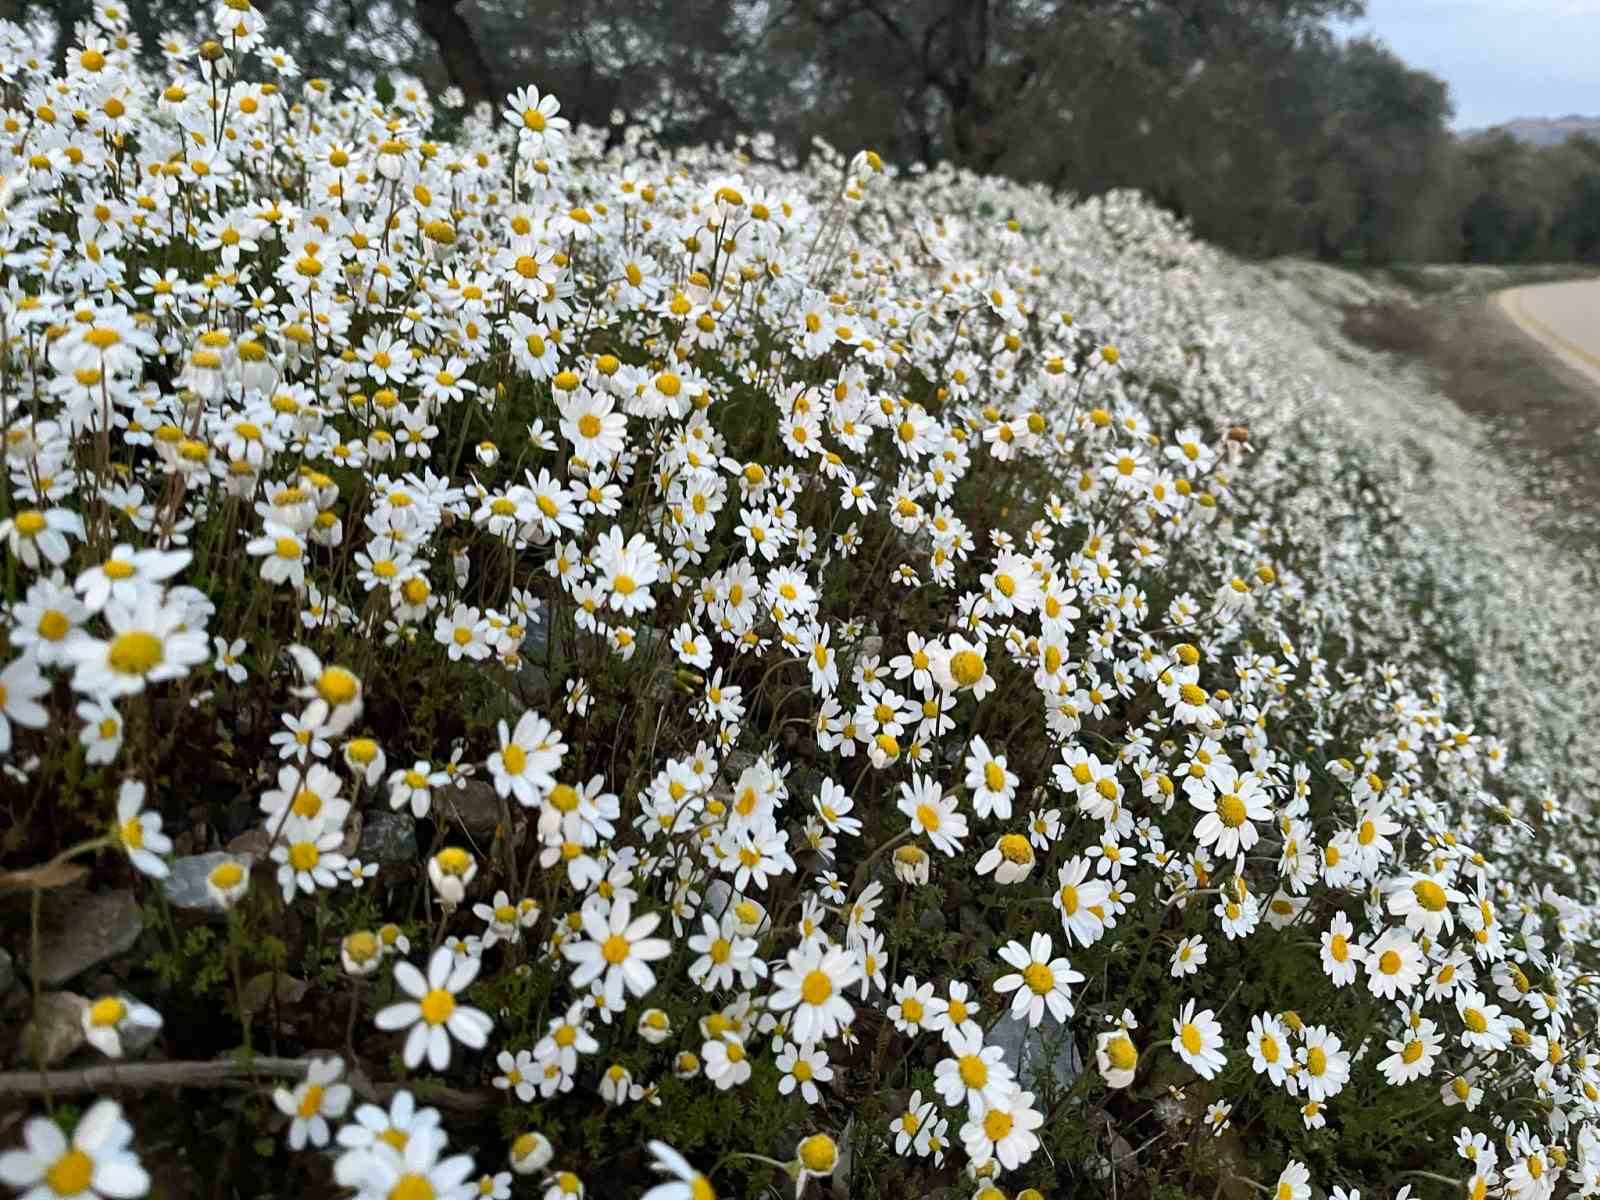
(219, 1073)
(458, 49)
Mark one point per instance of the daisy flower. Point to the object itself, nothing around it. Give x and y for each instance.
(433, 1013)
(151, 641)
(1039, 981)
(139, 831)
(1268, 1046)
(911, 1006)
(96, 1162)
(812, 983)
(911, 1127)
(1484, 1027)
(1116, 1057)
(1231, 803)
(528, 757)
(1010, 859)
(1340, 955)
(1294, 1182)
(1189, 957)
(686, 1183)
(959, 665)
(1423, 903)
(415, 1170)
(1197, 1040)
(393, 1126)
(1324, 1064)
(932, 813)
(1077, 898)
(313, 1101)
(1412, 1054)
(110, 1018)
(727, 1061)
(1395, 964)
(307, 854)
(516, 1074)
(803, 1067)
(618, 947)
(992, 786)
(974, 1074)
(1003, 1132)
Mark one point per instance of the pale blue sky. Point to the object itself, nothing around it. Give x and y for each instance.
(1501, 58)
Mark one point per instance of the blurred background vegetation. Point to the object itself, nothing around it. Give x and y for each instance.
(1250, 118)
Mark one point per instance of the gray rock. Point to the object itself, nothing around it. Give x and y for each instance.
(186, 887)
(1048, 1048)
(870, 646)
(474, 806)
(58, 1031)
(388, 838)
(932, 920)
(80, 930)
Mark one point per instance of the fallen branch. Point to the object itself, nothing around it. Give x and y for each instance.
(222, 1073)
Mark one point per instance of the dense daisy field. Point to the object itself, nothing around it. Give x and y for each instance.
(675, 673)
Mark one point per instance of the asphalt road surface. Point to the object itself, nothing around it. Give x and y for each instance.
(1562, 317)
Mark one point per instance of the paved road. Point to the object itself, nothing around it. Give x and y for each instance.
(1563, 317)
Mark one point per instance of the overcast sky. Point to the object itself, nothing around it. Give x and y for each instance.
(1501, 58)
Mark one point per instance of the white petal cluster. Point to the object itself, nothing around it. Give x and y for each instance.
(883, 615)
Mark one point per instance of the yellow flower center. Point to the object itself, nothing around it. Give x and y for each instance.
(994, 776)
(304, 856)
(70, 1174)
(107, 1011)
(818, 1153)
(514, 758)
(1389, 962)
(361, 945)
(1039, 977)
(1122, 1055)
(311, 1102)
(226, 875)
(306, 803)
(1429, 895)
(1411, 1051)
(337, 686)
(997, 1125)
(589, 425)
(1474, 1020)
(135, 653)
(412, 1187)
(1231, 810)
(973, 1070)
(533, 119)
(1269, 1048)
(132, 833)
(1014, 848)
(1316, 1061)
(816, 987)
(966, 667)
(1189, 1035)
(614, 949)
(437, 1006)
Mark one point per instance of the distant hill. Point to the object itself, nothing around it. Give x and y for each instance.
(1542, 131)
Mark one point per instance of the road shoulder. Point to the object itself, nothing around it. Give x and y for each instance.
(1513, 304)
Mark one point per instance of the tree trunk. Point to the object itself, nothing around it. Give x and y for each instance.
(458, 50)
